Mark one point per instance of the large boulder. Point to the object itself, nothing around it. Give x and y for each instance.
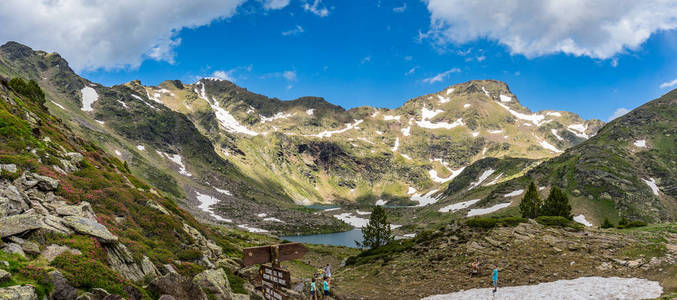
(18, 292)
(149, 268)
(89, 227)
(177, 286)
(45, 183)
(13, 248)
(62, 290)
(9, 168)
(52, 251)
(83, 209)
(214, 282)
(16, 224)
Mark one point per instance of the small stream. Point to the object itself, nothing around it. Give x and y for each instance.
(346, 238)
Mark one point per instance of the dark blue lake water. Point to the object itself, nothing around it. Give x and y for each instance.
(346, 238)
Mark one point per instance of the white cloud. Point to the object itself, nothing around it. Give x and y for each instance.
(224, 75)
(441, 76)
(618, 113)
(400, 9)
(411, 71)
(108, 34)
(408, 58)
(294, 31)
(365, 60)
(275, 4)
(289, 75)
(668, 84)
(481, 58)
(598, 29)
(316, 9)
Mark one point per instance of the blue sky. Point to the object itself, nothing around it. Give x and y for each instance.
(382, 53)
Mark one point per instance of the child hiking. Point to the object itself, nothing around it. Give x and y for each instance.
(313, 289)
(325, 287)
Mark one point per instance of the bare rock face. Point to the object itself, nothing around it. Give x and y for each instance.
(52, 251)
(176, 286)
(17, 292)
(214, 282)
(16, 224)
(149, 268)
(11, 200)
(62, 289)
(121, 260)
(89, 227)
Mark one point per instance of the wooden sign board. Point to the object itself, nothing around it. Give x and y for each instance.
(271, 293)
(275, 276)
(262, 255)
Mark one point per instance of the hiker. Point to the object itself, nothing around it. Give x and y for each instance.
(476, 266)
(325, 287)
(327, 271)
(494, 277)
(313, 289)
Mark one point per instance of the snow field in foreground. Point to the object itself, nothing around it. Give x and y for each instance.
(598, 288)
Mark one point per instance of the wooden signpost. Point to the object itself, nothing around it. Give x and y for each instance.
(273, 277)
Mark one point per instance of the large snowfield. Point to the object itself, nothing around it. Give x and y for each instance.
(598, 288)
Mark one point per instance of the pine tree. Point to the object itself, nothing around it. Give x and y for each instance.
(531, 203)
(607, 223)
(377, 233)
(557, 204)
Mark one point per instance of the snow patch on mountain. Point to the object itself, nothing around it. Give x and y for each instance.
(411, 190)
(252, 229)
(495, 131)
(435, 178)
(225, 192)
(57, 105)
(89, 96)
(206, 203)
(458, 206)
(140, 147)
(118, 153)
(100, 122)
(354, 221)
(450, 90)
(426, 199)
(380, 202)
(481, 179)
(549, 146)
(505, 98)
(514, 193)
(652, 184)
(310, 112)
(640, 143)
(397, 144)
(391, 117)
(124, 105)
(485, 92)
(554, 132)
(279, 115)
(443, 99)
(581, 219)
(537, 119)
(226, 120)
(466, 105)
(329, 133)
(177, 159)
(495, 180)
(554, 114)
(406, 131)
(488, 210)
(579, 130)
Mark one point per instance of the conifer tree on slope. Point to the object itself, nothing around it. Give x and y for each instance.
(557, 204)
(377, 233)
(531, 203)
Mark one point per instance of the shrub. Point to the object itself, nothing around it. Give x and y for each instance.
(607, 224)
(384, 253)
(29, 89)
(558, 221)
(87, 273)
(631, 224)
(488, 223)
(189, 254)
(236, 282)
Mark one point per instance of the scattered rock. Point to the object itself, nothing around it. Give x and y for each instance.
(10, 168)
(149, 268)
(11, 200)
(62, 290)
(176, 286)
(45, 183)
(16, 224)
(166, 297)
(89, 227)
(14, 249)
(18, 292)
(214, 282)
(121, 260)
(4, 275)
(84, 210)
(52, 251)
(167, 268)
(31, 247)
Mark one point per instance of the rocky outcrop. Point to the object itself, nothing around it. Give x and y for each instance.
(177, 286)
(62, 290)
(210, 250)
(16, 224)
(4, 275)
(14, 248)
(215, 283)
(52, 251)
(17, 292)
(89, 227)
(121, 260)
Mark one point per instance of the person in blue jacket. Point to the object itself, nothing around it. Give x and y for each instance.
(494, 278)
